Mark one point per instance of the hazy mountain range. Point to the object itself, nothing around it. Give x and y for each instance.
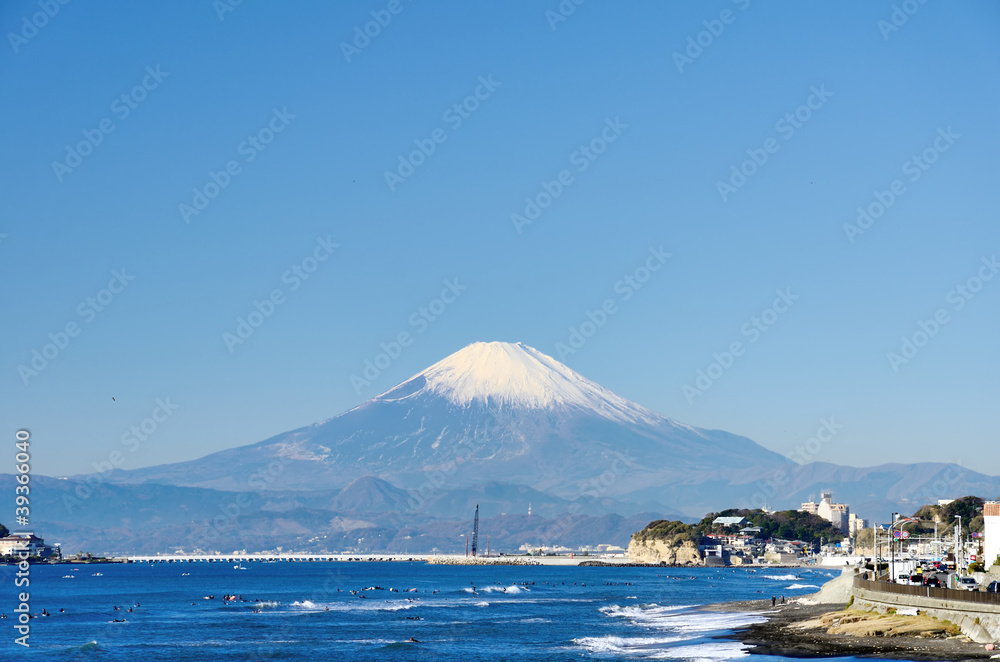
(497, 424)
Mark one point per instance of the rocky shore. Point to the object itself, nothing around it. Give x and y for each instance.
(822, 625)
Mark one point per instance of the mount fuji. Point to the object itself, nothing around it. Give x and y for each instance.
(490, 412)
(549, 455)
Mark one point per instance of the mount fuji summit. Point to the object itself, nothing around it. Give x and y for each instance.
(491, 412)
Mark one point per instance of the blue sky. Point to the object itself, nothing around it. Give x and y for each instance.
(328, 129)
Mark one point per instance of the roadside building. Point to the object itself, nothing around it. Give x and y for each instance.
(991, 532)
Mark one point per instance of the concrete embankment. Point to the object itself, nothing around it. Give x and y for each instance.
(977, 614)
(837, 591)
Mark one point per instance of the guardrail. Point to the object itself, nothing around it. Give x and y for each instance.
(980, 597)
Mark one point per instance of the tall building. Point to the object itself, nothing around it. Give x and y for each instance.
(991, 532)
(855, 525)
(838, 514)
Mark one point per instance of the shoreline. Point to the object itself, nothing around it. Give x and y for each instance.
(794, 630)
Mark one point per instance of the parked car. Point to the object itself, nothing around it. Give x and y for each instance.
(916, 580)
(967, 583)
(994, 587)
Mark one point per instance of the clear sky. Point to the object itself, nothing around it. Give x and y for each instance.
(651, 129)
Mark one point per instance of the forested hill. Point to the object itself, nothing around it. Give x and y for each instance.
(784, 524)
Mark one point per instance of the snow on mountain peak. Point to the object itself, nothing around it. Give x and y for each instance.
(515, 375)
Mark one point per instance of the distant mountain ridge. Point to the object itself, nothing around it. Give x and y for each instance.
(496, 424)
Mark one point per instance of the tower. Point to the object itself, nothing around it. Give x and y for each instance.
(475, 531)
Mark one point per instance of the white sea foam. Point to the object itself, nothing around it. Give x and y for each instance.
(358, 605)
(795, 586)
(706, 651)
(482, 603)
(704, 621)
(780, 578)
(681, 619)
(625, 645)
(496, 589)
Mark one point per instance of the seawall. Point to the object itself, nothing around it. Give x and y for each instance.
(977, 613)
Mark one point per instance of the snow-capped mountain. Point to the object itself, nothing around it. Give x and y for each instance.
(514, 376)
(490, 412)
(496, 424)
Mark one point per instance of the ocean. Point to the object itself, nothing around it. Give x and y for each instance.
(314, 611)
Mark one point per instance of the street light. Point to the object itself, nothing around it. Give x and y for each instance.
(900, 523)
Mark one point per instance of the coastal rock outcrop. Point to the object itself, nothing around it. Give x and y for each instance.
(660, 551)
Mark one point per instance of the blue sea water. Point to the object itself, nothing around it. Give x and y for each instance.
(307, 611)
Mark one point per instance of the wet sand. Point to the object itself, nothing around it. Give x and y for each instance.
(777, 637)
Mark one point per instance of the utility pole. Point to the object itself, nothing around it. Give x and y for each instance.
(892, 573)
(875, 546)
(958, 546)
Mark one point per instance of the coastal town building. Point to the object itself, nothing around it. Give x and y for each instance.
(856, 525)
(991, 532)
(29, 542)
(838, 514)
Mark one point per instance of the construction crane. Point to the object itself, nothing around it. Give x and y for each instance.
(475, 531)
